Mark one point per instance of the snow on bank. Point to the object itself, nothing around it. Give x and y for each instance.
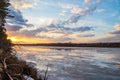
(28, 77)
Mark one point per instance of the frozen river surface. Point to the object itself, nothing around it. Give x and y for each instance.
(74, 63)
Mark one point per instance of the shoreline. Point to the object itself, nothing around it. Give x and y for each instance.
(104, 45)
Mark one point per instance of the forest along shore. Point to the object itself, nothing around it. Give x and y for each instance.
(112, 44)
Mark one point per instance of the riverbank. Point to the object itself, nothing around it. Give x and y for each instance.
(12, 68)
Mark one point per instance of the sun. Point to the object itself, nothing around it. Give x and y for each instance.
(12, 38)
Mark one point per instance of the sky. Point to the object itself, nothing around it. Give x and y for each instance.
(59, 21)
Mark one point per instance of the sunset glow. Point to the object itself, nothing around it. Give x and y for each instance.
(13, 39)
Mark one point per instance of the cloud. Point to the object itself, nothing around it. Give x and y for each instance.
(17, 19)
(67, 6)
(49, 34)
(79, 29)
(53, 29)
(76, 12)
(57, 29)
(117, 30)
(57, 24)
(87, 1)
(109, 38)
(63, 13)
(117, 26)
(17, 24)
(56, 36)
(92, 1)
(11, 27)
(99, 10)
(79, 13)
(61, 33)
(113, 36)
(86, 35)
(23, 4)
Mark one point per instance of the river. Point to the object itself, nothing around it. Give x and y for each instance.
(73, 63)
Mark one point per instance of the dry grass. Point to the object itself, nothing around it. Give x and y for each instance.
(14, 69)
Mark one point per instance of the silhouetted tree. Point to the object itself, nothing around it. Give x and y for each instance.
(4, 42)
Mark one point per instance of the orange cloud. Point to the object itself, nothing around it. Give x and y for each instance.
(117, 26)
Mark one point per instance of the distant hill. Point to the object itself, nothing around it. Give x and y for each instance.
(113, 44)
